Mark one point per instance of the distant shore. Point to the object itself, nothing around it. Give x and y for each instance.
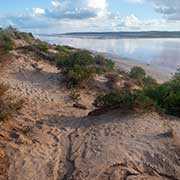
(119, 35)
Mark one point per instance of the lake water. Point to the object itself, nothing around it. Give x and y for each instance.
(162, 52)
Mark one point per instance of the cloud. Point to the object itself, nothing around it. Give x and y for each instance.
(82, 9)
(170, 9)
(55, 3)
(91, 15)
(38, 11)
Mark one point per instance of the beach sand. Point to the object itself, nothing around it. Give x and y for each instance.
(161, 74)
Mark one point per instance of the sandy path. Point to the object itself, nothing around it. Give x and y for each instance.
(36, 154)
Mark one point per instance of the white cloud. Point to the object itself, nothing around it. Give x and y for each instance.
(55, 3)
(38, 11)
(131, 21)
(81, 9)
(91, 15)
(170, 9)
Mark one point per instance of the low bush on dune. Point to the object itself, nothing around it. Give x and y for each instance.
(103, 65)
(8, 105)
(163, 97)
(79, 58)
(125, 99)
(139, 75)
(63, 49)
(15, 34)
(6, 43)
(28, 37)
(167, 96)
(80, 67)
(43, 46)
(79, 76)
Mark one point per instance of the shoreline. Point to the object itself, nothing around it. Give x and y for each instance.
(161, 74)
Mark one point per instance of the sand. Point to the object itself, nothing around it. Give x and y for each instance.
(161, 74)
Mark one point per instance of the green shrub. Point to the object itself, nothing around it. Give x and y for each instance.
(115, 99)
(149, 81)
(80, 66)
(81, 58)
(28, 37)
(103, 64)
(78, 75)
(139, 75)
(43, 46)
(6, 43)
(166, 96)
(63, 49)
(126, 100)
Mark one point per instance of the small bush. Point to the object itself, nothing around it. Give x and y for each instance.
(8, 105)
(43, 46)
(6, 43)
(166, 96)
(78, 76)
(103, 64)
(126, 100)
(115, 99)
(149, 81)
(139, 75)
(80, 58)
(63, 49)
(79, 67)
(28, 37)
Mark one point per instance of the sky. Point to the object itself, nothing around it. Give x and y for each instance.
(59, 16)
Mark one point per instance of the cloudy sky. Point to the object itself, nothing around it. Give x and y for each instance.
(56, 16)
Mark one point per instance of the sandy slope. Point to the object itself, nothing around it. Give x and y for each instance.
(51, 140)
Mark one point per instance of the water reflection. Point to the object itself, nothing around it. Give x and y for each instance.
(160, 52)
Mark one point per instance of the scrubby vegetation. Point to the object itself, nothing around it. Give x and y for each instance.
(42, 46)
(8, 105)
(6, 43)
(139, 75)
(125, 99)
(103, 65)
(164, 97)
(167, 96)
(80, 67)
(28, 37)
